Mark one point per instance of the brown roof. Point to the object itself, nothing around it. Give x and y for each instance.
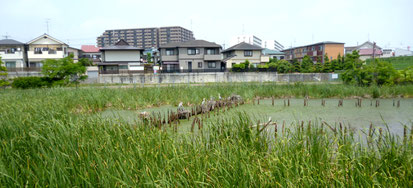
(243, 46)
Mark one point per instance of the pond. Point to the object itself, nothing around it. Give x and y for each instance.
(348, 114)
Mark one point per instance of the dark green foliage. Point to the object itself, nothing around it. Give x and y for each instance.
(307, 65)
(30, 82)
(380, 73)
(399, 63)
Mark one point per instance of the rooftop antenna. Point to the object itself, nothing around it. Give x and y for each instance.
(47, 24)
(368, 37)
(6, 36)
(191, 25)
(312, 38)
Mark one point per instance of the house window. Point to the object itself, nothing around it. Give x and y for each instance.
(170, 52)
(10, 64)
(37, 50)
(312, 48)
(321, 48)
(212, 64)
(51, 51)
(212, 51)
(59, 49)
(123, 66)
(193, 51)
(248, 53)
(199, 64)
(45, 49)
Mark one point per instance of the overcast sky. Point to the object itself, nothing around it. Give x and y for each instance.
(291, 22)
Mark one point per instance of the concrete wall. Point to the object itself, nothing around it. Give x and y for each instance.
(122, 56)
(172, 78)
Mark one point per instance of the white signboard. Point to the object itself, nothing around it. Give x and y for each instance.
(334, 76)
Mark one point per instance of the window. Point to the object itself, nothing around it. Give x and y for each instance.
(193, 51)
(212, 51)
(59, 49)
(51, 51)
(37, 50)
(10, 64)
(212, 64)
(321, 47)
(199, 64)
(123, 66)
(170, 52)
(312, 48)
(45, 49)
(248, 53)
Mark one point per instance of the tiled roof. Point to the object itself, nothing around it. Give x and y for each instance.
(191, 43)
(10, 42)
(325, 42)
(90, 49)
(120, 45)
(243, 46)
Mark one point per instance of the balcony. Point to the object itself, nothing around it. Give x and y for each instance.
(15, 55)
(45, 55)
(213, 57)
(169, 57)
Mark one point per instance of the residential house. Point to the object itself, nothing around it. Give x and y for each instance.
(75, 52)
(243, 51)
(388, 53)
(121, 58)
(366, 50)
(315, 51)
(191, 56)
(13, 54)
(403, 52)
(91, 52)
(46, 47)
(273, 54)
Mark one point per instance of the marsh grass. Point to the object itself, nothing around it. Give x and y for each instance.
(48, 137)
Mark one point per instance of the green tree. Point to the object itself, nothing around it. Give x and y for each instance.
(326, 65)
(3, 75)
(63, 71)
(149, 58)
(296, 66)
(284, 66)
(352, 60)
(85, 62)
(307, 65)
(318, 67)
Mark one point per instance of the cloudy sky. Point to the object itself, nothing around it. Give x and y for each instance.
(291, 22)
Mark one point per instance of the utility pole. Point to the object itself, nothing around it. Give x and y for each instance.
(374, 49)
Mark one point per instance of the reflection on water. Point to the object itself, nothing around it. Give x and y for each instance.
(349, 114)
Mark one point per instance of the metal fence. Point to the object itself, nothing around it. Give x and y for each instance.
(24, 69)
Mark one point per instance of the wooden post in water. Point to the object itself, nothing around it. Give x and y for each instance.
(288, 102)
(272, 97)
(258, 100)
(398, 104)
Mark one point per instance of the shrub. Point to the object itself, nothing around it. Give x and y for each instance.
(29, 82)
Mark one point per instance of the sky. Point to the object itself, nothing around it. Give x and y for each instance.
(291, 22)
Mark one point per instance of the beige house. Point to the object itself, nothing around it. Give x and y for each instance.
(191, 56)
(243, 51)
(46, 47)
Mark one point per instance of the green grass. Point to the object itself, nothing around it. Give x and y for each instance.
(50, 137)
(398, 63)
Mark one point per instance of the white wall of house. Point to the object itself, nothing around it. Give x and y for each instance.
(122, 56)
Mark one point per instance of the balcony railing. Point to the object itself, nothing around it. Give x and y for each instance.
(24, 69)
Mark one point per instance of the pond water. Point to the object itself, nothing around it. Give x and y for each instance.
(349, 114)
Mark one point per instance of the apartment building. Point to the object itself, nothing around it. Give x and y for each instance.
(46, 47)
(315, 51)
(272, 45)
(145, 37)
(244, 51)
(13, 53)
(121, 58)
(250, 39)
(191, 56)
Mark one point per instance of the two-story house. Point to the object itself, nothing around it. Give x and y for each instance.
(243, 51)
(91, 52)
(366, 50)
(13, 54)
(45, 47)
(191, 56)
(121, 58)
